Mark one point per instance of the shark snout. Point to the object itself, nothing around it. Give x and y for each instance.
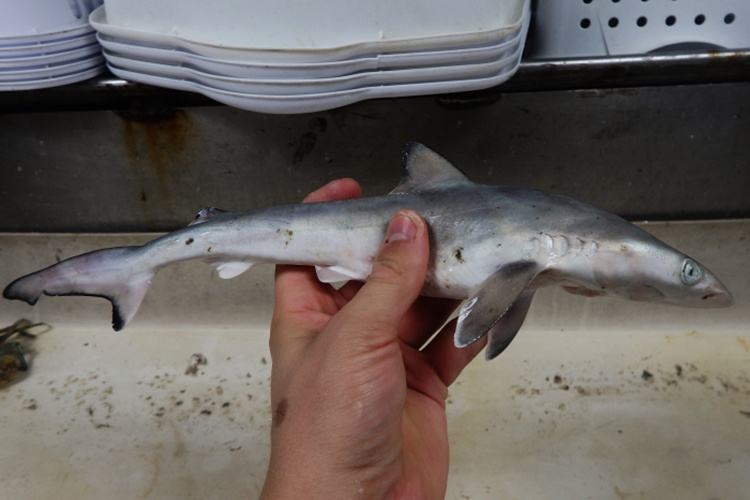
(716, 295)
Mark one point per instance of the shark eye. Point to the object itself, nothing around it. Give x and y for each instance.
(691, 272)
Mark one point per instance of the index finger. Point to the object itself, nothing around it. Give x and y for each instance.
(340, 189)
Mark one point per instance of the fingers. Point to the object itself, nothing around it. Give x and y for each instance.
(395, 282)
(340, 189)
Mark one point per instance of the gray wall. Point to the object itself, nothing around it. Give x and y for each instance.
(672, 152)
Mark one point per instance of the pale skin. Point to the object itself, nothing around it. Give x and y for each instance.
(359, 403)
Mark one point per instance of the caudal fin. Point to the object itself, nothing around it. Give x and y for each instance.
(115, 274)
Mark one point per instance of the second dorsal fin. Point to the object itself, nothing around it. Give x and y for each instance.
(425, 169)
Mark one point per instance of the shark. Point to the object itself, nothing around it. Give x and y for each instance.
(491, 246)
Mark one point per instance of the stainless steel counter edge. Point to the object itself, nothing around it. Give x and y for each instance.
(110, 92)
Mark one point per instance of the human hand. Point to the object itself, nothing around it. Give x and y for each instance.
(359, 409)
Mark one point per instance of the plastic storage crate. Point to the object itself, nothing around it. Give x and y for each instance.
(590, 28)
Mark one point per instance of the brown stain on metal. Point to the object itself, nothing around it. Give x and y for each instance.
(156, 146)
(160, 141)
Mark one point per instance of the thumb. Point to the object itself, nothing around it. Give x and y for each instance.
(397, 275)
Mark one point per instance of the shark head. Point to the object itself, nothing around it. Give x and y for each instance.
(649, 270)
(685, 282)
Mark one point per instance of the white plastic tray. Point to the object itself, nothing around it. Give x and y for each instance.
(23, 41)
(313, 102)
(31, 18)
(22, 63)
(319, 85)
(55, 80)
(344, 39)
(51, 70)
(51, 47)
(291, 25)
(308, 70)
(310, 103)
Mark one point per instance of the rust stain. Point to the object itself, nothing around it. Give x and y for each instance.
(160, 141)
(156, 146)
(743, 343)
(670, 338)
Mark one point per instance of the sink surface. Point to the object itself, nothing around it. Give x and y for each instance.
(596, 398)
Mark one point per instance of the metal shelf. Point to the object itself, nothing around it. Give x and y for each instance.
(110, 92)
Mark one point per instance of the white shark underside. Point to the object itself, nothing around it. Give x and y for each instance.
(491, 245)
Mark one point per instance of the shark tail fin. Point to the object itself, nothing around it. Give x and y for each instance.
(112, 273)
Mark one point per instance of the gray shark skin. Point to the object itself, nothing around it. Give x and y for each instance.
(494, 246)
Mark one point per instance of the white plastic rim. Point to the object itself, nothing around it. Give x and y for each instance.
(22, 18)
(574, 28)
(21, 63)
(319, 85)
(51, 71)
(309, 70)
(48, 37)
(310, 103)
(54, 81)
(516, 11)
(251, 69)
(53, 47)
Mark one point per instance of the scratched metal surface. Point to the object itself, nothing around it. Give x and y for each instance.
(677, 152)
(596, 398)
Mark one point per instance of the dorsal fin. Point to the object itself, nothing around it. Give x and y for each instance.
(205, 214)
(425, 169)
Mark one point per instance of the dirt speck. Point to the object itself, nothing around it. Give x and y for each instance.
(196, 360)
(458, 254)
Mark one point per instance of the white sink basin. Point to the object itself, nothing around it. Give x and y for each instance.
(596, 398)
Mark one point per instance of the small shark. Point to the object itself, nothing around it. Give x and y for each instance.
(493, 246)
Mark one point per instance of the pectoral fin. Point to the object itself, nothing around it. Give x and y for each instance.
(506, 328)
(492, 300)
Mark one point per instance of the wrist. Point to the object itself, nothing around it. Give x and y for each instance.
(287, 481)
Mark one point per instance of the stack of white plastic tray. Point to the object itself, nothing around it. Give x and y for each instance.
(308, 56)
(46, 43)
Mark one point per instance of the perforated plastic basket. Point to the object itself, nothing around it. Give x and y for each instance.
(575, 28)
